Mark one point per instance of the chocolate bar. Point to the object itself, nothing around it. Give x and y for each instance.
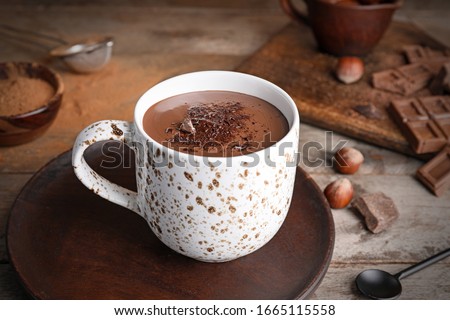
(404, 80)
(425, 122)
(420, 54)
(425, 136)
(436, 106)
(424, 64)
(435, 174)
(441, 82)
(378, 210)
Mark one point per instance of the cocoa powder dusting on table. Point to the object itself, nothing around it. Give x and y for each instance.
(20, 94)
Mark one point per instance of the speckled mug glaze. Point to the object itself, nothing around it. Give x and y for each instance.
(211, 209)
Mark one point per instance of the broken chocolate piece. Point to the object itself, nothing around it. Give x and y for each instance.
(187, 126)
(390, 80)
(369, 111)
(418, 54)
(435, 174)
(424, 122)
(441, 82)
(378, 210)
(210, 125)
(418, 75)
(404, 80)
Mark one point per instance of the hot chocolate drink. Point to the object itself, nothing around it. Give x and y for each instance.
(184, 197)
(215, 123)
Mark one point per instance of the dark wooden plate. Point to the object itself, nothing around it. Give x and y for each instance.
(67, 243)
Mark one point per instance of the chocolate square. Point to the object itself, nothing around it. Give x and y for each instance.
(423, 121)
(425, 136)
(378, 210)
(414, 53)
(435, 174)
(409, 110)
(404, 80)
(418, 76)
(441, 82)
(419, 54)
(436, 106)
(390, 80)
(444, 125)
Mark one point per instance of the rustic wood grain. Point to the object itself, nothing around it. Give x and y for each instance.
(171, 40)
(317, 148)
(339, 283)
(104, 95)
(210, 4)
(167, 37)
(422, 229)
(292, 61)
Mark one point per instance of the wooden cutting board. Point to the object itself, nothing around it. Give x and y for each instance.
(292, 60)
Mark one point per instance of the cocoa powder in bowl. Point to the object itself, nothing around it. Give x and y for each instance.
(30, 97)
(20, 93)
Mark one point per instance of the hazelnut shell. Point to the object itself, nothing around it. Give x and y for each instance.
(339, 193)
(348, 160)
(349, 69)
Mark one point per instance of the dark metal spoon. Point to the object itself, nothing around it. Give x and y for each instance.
(378, 284)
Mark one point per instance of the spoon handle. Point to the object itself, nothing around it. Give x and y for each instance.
(32, 33)
(423, 264)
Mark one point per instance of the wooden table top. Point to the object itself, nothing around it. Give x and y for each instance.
(159, 39)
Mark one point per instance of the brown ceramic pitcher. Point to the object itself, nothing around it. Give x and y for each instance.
(342, 28)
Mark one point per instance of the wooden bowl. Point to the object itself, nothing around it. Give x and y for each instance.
(21, 128)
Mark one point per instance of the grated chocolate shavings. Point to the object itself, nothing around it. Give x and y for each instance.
(210, 126)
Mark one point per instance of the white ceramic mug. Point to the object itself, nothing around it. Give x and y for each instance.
(211, 209)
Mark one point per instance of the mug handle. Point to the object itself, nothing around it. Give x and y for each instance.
(101, 131)
(293, 12)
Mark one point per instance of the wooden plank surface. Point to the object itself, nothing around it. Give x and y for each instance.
(426, 285)
(170, 41)
(157, 39)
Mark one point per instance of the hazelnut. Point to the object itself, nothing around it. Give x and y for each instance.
(348, 160)
(339, 193)
(349, 69)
